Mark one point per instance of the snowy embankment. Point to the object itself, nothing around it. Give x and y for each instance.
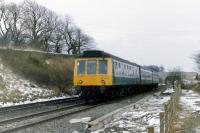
(190, 101)
(16, 90)
(143, 115)
(138, 118)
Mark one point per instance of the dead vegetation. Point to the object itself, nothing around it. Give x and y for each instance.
(49, 71)
(191, 123)
(194, 86)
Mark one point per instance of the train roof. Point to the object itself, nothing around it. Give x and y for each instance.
(98, 53)
(102, 54)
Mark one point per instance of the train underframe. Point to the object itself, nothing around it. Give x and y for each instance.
(111, 92)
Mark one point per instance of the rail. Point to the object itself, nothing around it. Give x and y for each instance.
(27, 120)
(32, 105)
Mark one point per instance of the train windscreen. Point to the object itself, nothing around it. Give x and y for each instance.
(91, 66)
(81, 67)
(103, 67)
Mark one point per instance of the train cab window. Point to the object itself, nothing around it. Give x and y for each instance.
(91, 66)
(81, 67)
(103, 65)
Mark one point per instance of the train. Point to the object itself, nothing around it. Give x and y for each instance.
(98, 74)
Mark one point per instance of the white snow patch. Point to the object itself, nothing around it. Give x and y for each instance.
(190, 101)
(147, 114)
(168, 91)
(17, 90)
(34, 101)
(190, 82)
(139, 118)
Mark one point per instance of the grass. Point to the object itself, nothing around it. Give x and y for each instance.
(190, 123)
(16, 96)
(195, 87)
(49, 71)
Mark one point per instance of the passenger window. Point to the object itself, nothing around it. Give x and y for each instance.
(103, 66)
(81, 67)
(115, 65)
(91, 67)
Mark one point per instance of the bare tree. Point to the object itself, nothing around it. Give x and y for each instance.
(34, 20)
(67, 32)
(4, 23)
(82, 42)
(11, 25)
(197, 61)
(17, 25)
(58, 38)
(174, 74)
(32, 24)
(2, 10)
(51, 25)
(75, 40)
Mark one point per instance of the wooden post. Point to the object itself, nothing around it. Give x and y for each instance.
(150, 129)
(166, 118)
(162, 114)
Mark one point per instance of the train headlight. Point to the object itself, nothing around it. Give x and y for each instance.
(103, 82)
(80, 81)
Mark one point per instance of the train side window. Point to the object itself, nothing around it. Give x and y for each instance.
(115, 65)
(103, 65)
(81, 67)
(91, 66)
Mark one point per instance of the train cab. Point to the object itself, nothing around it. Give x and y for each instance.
(90, 71)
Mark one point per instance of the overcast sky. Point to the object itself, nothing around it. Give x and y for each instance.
(147, 32)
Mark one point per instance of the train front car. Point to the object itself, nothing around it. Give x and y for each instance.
(100, 75)
(93, 74)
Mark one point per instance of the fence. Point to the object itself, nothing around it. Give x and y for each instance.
(168, 117)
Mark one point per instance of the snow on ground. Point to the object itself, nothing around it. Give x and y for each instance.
(17, 90)
(145, 114)
(190, 82)
(138, 118)
(33, 101)
(190, 102)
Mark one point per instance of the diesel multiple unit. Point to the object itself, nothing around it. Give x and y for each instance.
(97, 74)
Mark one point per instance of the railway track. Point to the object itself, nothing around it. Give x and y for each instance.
(38, 104)
(21, 110)
(21, 122)
(26, 120)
